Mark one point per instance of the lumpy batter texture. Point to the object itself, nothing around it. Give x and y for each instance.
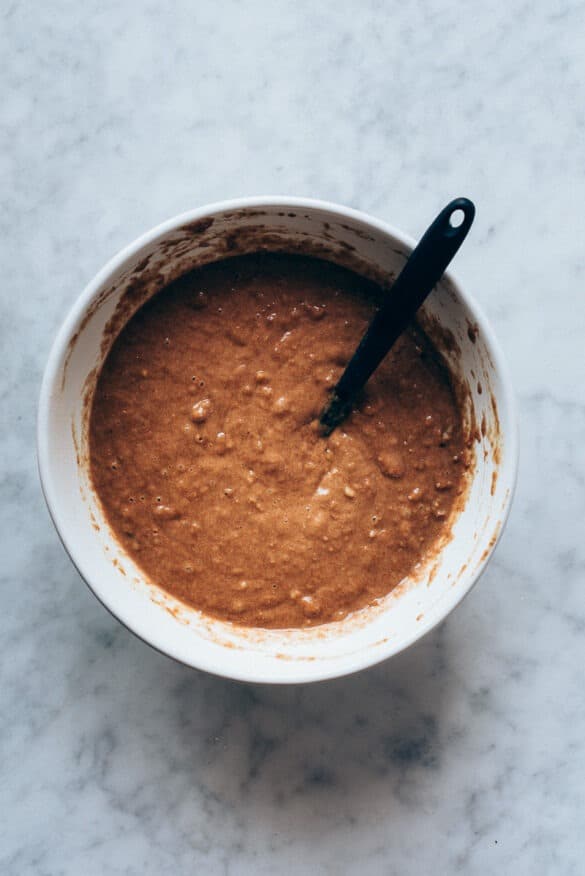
(207, 458)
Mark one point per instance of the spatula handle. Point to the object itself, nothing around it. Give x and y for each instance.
(421, 273)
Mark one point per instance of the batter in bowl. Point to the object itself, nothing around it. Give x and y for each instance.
(206, 455)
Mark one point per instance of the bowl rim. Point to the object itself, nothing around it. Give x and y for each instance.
(315, 670)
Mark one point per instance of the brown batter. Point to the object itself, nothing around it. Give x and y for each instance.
(207, 459)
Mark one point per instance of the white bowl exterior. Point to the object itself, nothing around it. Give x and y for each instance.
(185, 634)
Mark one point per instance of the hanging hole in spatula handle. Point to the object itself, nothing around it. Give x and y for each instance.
(446, 234)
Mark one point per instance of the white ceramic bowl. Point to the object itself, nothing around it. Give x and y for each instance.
(284, 656)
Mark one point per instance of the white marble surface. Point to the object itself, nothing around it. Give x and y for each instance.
(464, 755)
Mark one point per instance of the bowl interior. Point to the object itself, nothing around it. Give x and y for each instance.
(370, 635)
